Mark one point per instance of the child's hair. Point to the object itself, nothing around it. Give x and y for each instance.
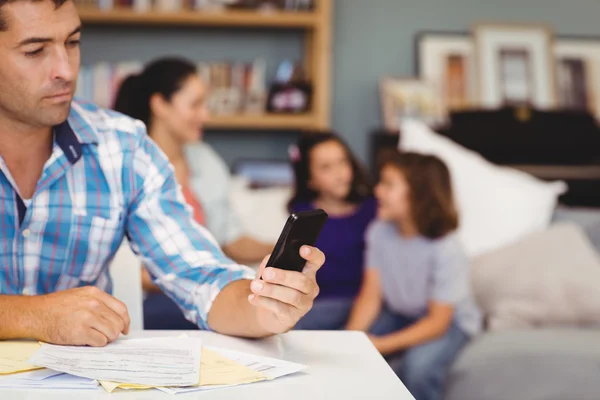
(362, 186)
(431, 196)
(164, 76)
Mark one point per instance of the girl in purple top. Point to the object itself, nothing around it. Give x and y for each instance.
(329, 177)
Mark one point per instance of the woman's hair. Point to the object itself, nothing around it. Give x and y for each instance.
(431, 196)
(300, 155)
(164, 76)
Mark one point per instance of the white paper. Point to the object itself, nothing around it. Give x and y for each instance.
(52, 380)
(35, 375)
(269, 367)
(159, 362)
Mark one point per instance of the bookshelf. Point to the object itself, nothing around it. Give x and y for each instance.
(262, 121)
(316, 25)
(272, 19)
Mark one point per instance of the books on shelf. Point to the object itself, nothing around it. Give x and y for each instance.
(200, 5)
(233, 88)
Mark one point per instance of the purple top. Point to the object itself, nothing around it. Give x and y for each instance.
(343, 242)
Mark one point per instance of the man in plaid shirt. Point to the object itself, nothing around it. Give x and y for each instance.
(75, 179)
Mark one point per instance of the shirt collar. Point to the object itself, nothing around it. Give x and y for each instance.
(75, 132)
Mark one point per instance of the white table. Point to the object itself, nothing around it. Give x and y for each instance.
(342, 365)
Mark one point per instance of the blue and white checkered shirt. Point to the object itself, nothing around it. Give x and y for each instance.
(106, 180)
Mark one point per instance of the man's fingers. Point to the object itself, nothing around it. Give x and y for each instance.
(274, 306)
(291, 279)
(103, 322)
(94, 338)
(315, 259)
(115, 323)
(115, 305)
(263, 265)
(282, 294)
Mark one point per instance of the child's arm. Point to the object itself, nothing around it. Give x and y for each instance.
(368, 303)
(434, 325)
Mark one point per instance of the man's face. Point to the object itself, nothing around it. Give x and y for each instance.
(39, 53)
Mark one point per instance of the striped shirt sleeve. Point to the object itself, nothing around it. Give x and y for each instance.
(182, 257)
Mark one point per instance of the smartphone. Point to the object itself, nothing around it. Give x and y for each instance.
(301, 229)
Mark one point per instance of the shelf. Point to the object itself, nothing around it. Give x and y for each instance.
(271, 19)
(262, 121)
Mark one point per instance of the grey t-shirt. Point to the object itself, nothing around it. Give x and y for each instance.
(416, 270)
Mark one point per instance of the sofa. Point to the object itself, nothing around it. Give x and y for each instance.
(533, 364)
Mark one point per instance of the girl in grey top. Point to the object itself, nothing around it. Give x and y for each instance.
(416, 300)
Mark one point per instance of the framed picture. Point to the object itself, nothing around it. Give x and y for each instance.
(515, 66)
(403, 99)
(447, 61)
(578, 73)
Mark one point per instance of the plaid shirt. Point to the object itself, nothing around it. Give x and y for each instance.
(106, 180)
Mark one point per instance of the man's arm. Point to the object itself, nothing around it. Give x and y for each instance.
(18, 317)
(79, 317)
(187, 264)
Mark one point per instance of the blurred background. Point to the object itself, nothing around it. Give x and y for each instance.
(507, 93)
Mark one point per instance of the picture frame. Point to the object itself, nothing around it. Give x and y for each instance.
(515, 66)
(578, 73)
(410, 98)
(446, 59)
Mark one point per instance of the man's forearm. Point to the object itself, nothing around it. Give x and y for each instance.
(232, 314)
(17, 317)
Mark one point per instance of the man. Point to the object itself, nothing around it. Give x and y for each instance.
(75, 179)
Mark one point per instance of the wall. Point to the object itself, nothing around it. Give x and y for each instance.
(372, 38)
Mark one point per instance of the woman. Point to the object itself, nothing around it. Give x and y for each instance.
(170, 98)
(329, 177)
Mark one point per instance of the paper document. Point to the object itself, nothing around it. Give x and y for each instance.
(215, 369)
(269, 367)
(14, 356)
(170, 362)
(46, 379)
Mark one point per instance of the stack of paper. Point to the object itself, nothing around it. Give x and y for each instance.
(172, 365)
(144, 362)
(14, 356)
(46, 379)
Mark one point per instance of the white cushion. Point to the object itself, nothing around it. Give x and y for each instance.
(497, 205)
(549, 278)
(262, 212)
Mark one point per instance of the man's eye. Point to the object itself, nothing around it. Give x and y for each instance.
(34, 52)
(74, 43)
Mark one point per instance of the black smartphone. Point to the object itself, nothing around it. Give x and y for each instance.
(301, 229)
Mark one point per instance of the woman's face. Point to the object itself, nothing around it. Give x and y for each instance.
(186, 113)
(330, 170)
(393, 195)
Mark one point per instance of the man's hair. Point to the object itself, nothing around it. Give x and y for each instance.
(431, 197)
(4, 25)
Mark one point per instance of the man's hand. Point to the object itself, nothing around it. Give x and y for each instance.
(82, 316)
(283, 297)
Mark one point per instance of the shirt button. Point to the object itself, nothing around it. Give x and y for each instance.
(26, 233)
(170, 277)
(27, 292)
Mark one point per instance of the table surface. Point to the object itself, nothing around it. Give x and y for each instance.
(341, 365)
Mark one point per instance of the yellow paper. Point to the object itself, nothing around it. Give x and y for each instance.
(215, 369)
(14, 356)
